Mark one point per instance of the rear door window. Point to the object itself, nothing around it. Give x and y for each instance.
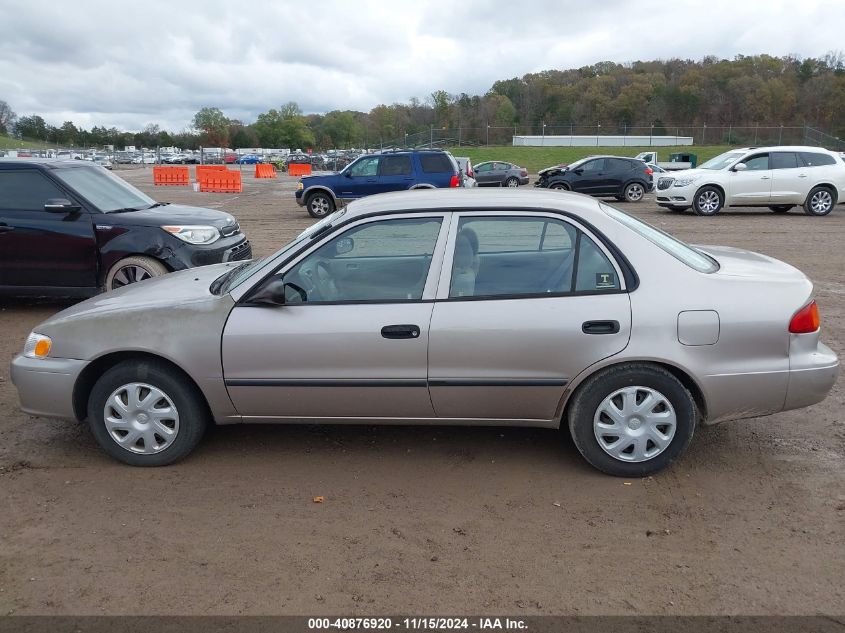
(395, 165)
(784, 160)
(617, 164)
(435, 163)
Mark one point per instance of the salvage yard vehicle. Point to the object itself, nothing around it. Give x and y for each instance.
(395, 170)
(627, 179)
(72, 229)
(465, 307)
(776, 177)
(499, 174)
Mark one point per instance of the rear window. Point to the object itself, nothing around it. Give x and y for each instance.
(436, 163)
(676, 248)
(817, 159)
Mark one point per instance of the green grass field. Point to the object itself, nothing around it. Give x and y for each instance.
(7, 142)
(536, 158)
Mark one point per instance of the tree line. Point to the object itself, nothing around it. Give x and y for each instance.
(746, 90)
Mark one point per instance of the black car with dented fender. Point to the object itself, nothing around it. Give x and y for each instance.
(70, 228)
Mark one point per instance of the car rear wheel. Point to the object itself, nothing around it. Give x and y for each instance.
(708, 201)
(145, 413)
(781, 208)
(512, 182)
(319, 205)
(632, 420)
(131, 269)
(820, 201)
(634, 192)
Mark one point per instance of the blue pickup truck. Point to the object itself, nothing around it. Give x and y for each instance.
(377, 173)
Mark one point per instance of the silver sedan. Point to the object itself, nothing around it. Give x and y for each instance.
(471, 307)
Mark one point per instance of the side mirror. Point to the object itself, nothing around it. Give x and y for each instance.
(348, 173)
(278, 293)
(739, 167)
(60, 205)
(344, 245)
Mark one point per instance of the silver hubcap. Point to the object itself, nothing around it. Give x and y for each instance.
(634, 193)
(634, 424)
(141, 418)
(709, 202)
(821, 202)
(320, 206)
(129, 275)
(513, 182)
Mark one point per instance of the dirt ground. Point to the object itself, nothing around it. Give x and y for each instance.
(433, 520)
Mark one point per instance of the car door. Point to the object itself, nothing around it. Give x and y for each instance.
(617, 171)
(351, 341)
(789, 178)
(360, 178)
(40, 247)
(484, 173)
(394, 173)
(589, 176)
(518, 315)
(753, 185)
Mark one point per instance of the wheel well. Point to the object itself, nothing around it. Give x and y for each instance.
(719, 187)
(423, 186)
(685, 379)
(310, 192)
(115, 260)
(562, 185)
(829, 187)
(95, 369)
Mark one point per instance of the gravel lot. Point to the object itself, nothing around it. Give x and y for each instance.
(432, 520)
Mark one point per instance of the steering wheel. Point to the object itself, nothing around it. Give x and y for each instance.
(325, 282)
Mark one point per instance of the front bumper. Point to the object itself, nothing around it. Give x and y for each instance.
(674, 196)
(227, 249)
(45, 386)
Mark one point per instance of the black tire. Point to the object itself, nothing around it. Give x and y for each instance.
(592, 393)
(634, 192)
(191, 408)
(676, 209)
(820, 201)
(512, 182)
(781, 208)
(708, 201)
(560, 186)
(319, 205)
(133, 269)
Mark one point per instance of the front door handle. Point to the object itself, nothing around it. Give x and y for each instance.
(802, 175)
(400, 331)
(600, 327)
(764, 177)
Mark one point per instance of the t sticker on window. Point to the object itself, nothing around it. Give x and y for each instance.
(605, 280)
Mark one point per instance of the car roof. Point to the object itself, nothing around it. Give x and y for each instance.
(48, 163)
(461, 199)
(783, 148)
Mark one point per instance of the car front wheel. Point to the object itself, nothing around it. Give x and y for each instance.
(634, 192)
(319, 205)
(820, 201)
(559, 186)
(131, 269)
(708, 201)
(145, 413)
(632, 420)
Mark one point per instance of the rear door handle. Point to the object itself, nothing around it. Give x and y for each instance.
(400, 331)
(600, 327)
(802, 175)
(764, 177)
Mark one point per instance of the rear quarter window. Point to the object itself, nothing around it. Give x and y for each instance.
(435, 163)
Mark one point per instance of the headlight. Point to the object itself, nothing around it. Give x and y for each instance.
(37, 345)
(194, 234)
(683, 182)
(299, 186)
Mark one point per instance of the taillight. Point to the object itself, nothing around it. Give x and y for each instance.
(469, 173)
(523, 172)
(806, 320)
(649, 171)
(455, 181)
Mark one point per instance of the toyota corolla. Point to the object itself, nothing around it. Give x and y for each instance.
(470, 307)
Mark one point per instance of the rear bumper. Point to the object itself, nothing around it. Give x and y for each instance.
(45, 386)
(811, 377)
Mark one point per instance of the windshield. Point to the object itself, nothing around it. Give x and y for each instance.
(104, 190)
(722, 160)
(242, 273)
(679, 250)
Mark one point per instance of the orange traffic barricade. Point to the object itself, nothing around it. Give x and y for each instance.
(264, 170)
(299, 169)
(221, 181)
(201, 169)
(171, 176)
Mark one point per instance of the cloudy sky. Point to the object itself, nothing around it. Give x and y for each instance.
(127, 63)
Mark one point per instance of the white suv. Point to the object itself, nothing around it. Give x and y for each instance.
(775, 177)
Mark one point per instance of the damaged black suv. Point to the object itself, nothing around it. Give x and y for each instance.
(71, 228)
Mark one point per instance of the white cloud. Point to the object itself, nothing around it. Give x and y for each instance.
(125, 64)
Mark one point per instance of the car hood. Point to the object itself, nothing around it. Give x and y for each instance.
(308, 181)
(173, 214)
(736, 262)
(173, 289)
